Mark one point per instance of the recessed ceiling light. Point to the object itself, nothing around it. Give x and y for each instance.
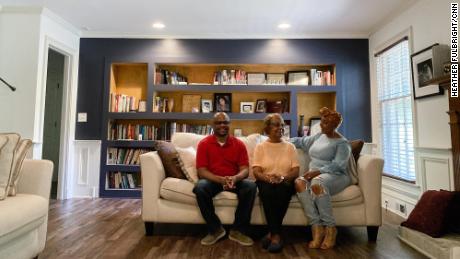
(158, 25)
(284, 25)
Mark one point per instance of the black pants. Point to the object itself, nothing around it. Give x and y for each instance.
(275, 200)
(205, 190)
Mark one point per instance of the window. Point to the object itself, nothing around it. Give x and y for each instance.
(394, 96)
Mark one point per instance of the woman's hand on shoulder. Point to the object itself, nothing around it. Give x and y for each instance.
(311, 174)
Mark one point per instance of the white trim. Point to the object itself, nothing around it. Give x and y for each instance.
(404, 191)
(59, 20)
(391, 17)
(68, 110)
(424, 159)
(127, 35)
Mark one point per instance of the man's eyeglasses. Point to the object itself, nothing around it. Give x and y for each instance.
(221, 122)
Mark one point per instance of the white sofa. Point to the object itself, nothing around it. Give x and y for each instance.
(171, 200)
(24, 217)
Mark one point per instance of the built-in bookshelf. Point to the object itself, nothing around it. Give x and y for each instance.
(147, 102)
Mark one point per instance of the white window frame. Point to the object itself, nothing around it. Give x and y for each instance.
(393, 42)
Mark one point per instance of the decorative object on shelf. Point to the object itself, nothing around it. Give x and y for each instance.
(427, 65)
(277, 106)
(247, 107)
(223, 102)
(306, 130)
(238, 132)
(170, 105)
(261, 105)
(275, 79)
(287, 131)
(256, 78)
(206, 106)
(300, 128)
(142, 106)
(298, 78)
(191, 103)
(315, 127)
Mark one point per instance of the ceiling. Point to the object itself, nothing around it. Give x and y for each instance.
(223, 19)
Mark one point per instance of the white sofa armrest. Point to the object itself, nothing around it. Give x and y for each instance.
(36, 177)
(153, 174)
(370, 181)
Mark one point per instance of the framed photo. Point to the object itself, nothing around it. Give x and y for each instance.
(206, 105)
(223, 102)
(315, 127)
(238, 132)
(261, 105)
(247, 107)
(298, 78)
(275, 79)
(423, 72)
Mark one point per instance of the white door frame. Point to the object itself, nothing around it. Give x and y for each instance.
(69, 105)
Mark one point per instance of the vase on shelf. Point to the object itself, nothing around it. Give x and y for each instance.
(300, 128)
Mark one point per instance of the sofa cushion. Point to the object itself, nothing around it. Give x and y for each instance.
(188, 163)
(19, 155)
(356, 147)
(6, 162)
(170, 159)
(22, 212)
(179, 190)
(182, 139)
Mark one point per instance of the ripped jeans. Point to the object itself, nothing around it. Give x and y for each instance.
(318, 207)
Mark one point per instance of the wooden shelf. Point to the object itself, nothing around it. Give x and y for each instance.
(130, 143)
(243, 88)
(123, 168)
(188, 116)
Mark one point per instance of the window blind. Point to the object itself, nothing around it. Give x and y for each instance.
(394, 96)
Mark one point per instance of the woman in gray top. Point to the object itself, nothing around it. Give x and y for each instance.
(327, 175)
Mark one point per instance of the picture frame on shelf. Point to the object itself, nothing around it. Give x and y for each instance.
(238, 132)
(427, 65)
(206, 105)
(276, 79)
(261, 106)
(191, 103)
(315, 127)
(223, 102)
(256, 78)
(298, 78)
(142, 106)
(247, 107)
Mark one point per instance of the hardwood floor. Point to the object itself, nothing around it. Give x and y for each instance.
(113, 228)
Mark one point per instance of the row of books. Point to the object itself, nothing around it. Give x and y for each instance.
(163, 76)
(122, 103)
(321, 77)
(124, 156)
(129, 131)
(121, 180)
(163, 104)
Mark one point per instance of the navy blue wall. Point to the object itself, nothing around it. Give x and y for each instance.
(351, 57)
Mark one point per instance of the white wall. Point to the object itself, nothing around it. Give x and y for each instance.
(429, 23)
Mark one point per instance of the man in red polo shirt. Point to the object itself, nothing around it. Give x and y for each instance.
(222, 163)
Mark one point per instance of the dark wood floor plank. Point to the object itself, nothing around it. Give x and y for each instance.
(113, 228)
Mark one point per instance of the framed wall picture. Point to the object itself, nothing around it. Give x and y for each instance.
(206, 105)
(261, 105)
(247, 107)
(424, 70)
(315, 127)
(223, 102)
(191, 103)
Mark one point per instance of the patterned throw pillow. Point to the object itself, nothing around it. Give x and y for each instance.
(19, 155)
(6, 162)
(169, 158)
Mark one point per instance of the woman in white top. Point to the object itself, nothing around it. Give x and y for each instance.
(275, 168)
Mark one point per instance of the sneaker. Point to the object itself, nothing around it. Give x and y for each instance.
(241, 238)
(211, 239)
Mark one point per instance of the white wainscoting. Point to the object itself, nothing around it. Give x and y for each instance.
(84, 178)
(436, 168)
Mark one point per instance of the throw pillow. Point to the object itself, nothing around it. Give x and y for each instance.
(352, 170)
(188, 163)
(430, 213)
(169, 158)
(453, 222)
(19, 155)
(6, 162)
(356, 147)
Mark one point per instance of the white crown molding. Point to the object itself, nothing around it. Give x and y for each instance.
(59, 20)
(100, 34)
